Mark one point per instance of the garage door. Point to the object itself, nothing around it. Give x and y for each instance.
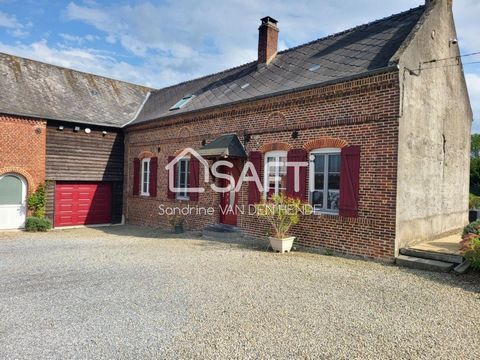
(82, 203)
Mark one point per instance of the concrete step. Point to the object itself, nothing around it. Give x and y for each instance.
(222, 232)
(451, 258)
(462, 268)
(424, 264)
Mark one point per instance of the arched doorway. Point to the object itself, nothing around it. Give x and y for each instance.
(13, 201)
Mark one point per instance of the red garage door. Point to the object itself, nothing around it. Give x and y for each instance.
(82, 203)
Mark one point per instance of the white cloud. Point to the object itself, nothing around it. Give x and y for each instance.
(193, 38)
(9, 21)
(88, 60)
(79, 40)
(15, 28)
(466, 15)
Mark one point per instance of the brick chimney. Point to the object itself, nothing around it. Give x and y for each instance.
(267, 40)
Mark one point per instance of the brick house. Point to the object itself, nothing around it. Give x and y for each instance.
(354, 104)
(380, 112)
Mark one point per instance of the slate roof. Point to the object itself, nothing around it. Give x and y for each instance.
(347, 54)
(32, 88)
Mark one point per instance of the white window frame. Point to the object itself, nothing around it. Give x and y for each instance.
(266, 185)
(145, 177)
(183, 195)
(311, 179)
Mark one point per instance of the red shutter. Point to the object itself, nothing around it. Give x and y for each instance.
(255, 158)
(194, 177)
(153, 176)
(349, 181)
(297, 155)
(171, 194)
(136, 176)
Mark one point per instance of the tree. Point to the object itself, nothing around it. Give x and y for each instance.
(475, 165)
(475, 147)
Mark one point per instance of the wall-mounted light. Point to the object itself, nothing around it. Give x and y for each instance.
(87, 131)
(60, 128)
(247, 138)
(104, 133)
(204, 142)
(159, 149)
(76, 128)
(452, 41)
(295, 134)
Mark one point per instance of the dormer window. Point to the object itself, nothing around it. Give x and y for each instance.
(184, 101)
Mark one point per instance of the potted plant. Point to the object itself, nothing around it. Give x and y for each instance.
(177, 224)
(282, 213)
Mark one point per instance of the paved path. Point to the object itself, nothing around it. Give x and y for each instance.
(126, 292)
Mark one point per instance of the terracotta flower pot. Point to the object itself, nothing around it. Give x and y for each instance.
(281, 245)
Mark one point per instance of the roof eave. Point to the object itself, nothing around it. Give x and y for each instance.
(47, 118)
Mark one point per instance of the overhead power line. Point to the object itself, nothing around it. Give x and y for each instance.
(453, 57)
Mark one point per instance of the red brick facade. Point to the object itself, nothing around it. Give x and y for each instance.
(22, 148)
(360, 112)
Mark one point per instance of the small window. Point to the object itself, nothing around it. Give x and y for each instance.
(184, 101)
(325, 180)
(145, 190)
(11, 190)
(275, 179)
(183, 166)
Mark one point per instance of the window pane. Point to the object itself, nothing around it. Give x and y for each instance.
(317, 199)
(275, 174)
(282, 168)
(334, 181)
(334, 163)
(333, 197)
(182, 178)
(319, 163)
(10, 190)
(319, 178)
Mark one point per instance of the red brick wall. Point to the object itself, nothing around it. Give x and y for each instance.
(360, 112)
(22, 148)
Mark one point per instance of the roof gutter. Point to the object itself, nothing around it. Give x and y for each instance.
(379, 71)
(47, 118)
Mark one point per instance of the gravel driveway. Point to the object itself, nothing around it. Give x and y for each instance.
(127, 292)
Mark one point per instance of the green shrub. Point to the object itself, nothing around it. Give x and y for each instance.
(472, 228)
(34, 224)
(37, 201)
(474, 201)
(470, 244)
(472, 254)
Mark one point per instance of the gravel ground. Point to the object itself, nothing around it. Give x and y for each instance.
(127, 292)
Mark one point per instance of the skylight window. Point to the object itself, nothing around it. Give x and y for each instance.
(314, 67)
(244, 86)
(184, 101)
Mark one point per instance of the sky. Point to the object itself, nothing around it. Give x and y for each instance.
(161, 43)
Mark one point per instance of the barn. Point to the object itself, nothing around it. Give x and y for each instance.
(62, 128)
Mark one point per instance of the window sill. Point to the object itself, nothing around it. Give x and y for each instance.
(325, 212)
(144, 195)
(182, 198)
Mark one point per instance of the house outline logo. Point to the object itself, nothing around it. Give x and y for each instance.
(170, 167)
